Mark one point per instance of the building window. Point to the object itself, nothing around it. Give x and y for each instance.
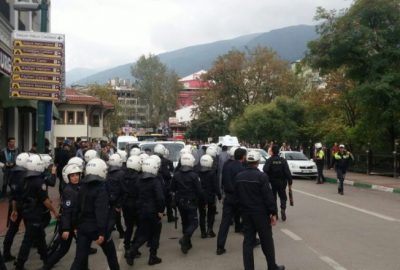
(71, 118)
(80, 118)
(96, 120)
(61, 121)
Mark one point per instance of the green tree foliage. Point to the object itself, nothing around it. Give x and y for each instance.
(158, 88)
(212, 126)
(240, 79)
(281, 120)
(363, 42)
(112, 121)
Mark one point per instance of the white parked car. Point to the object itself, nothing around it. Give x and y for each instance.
(299, 164)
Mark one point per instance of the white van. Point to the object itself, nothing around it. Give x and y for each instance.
(123, 141)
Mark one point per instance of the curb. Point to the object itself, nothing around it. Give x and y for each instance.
(364, 185)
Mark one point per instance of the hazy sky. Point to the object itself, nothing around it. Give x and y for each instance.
(102, 34)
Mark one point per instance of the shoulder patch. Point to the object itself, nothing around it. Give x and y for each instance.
(44, 187)
(68, 203)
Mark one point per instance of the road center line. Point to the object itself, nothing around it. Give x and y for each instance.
(332, 263)
(384, 217)
(292, 235)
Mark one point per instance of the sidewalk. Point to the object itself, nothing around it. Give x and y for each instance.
(376, 182)
(53, 195)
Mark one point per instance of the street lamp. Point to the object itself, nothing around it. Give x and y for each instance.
(41, 110)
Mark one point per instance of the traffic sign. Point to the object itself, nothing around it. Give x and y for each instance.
(38, 65)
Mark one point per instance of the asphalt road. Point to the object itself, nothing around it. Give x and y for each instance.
(357, 231)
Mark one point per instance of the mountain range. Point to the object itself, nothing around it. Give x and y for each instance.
(290, 43)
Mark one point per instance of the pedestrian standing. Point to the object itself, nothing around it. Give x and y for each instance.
(319, 159)
(258, 211)
(150, 205)
(342, 159)
(207, 205)
(278, 172)
(35, 201)
(187, 188)
(93, 217)
(7, 157)
(230, 210)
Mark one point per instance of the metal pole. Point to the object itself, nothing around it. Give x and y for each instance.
(41, 111)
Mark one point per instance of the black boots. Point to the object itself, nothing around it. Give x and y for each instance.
(153, 259)
(283, 214)
(211, 233)
(185, 244)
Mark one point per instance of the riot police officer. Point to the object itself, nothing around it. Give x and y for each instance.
(69, 205)
(166, 171)
(319, 159)
(230, 208)
(341, 161)
(129, 195)
(187, 188)
(35, 201)
(207, 206)
(277, 169)
(92, 215)
(115, 175)
(17, 175)
(151, 205)
(258, 211)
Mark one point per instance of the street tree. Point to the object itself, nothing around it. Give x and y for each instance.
(363, 42)
(239, 79)
(112, 121)
(158, 88)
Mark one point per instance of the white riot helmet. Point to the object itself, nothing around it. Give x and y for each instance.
(206, 161)
(185, 151)
(47, 160)
(318, 145)
(22, 159)
(134, 163)
(232, 151)
(188, 160)
(212, 151)
(143, 157)
(156, 158)
(70, 169)
(78, 161)
(115, 160)
(123, 155)
(150, 166)
(35, 165)
(159, 149)
(166, 153)
(134, 152)
(96, 169)
(253, 156)
(90, 154)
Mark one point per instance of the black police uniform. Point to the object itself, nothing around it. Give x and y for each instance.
(69, 205)
(256, 204)
(187, 188)
(114, 177)
(129, 207)
(150, 203)
(93, 220)
(166, 170)
(34, 195)
(17, 175)
(279, 175)
(230, 208)
(207, 206)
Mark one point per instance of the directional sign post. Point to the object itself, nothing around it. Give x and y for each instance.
(38, 70)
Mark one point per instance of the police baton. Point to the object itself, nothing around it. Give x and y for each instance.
(291, 197)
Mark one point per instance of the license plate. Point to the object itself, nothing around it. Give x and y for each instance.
(306, 171)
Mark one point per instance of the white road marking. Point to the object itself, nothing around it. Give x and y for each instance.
(331, 262)
(384, 217)
(120, 251)
(292, 235)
